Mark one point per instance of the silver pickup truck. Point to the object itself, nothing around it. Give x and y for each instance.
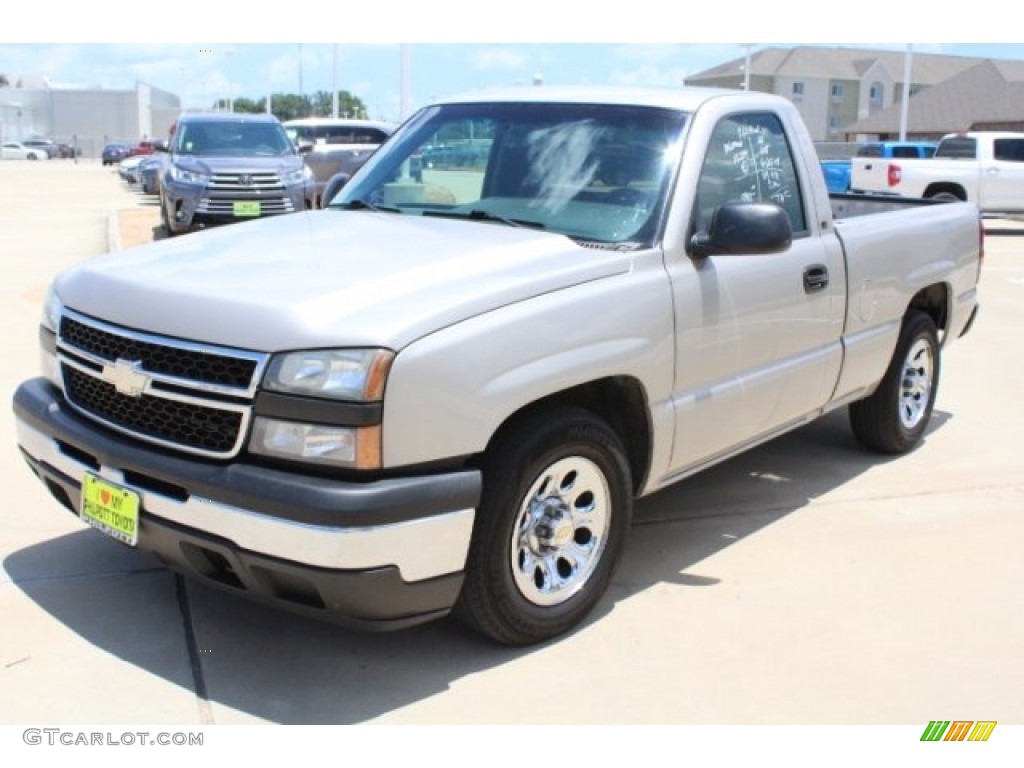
(442, 394)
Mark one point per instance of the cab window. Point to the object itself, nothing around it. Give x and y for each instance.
(749, 160)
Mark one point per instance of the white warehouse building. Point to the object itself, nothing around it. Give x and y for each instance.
(87, 118)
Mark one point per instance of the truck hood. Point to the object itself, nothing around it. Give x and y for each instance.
(328, 278)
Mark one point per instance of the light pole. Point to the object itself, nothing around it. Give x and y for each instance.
(230, 52)
(334, 81)
(746, 67)
(905, 100)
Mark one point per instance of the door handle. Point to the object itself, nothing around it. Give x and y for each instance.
(815, 278)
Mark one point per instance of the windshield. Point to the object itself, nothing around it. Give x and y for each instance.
(597, 173)
(232, 138)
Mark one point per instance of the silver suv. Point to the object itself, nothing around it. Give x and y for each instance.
(226, 167)
(335, 146)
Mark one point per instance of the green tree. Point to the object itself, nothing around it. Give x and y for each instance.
(249, 106)
(290, 106)
(348, 105)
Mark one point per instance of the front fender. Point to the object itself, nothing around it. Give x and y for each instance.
(450, 391)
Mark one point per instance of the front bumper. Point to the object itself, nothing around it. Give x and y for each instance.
(384, 554)
(191, 204)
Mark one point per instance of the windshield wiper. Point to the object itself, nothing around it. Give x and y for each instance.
(480, 215)
(365, 205)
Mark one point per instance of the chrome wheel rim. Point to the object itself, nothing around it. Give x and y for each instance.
(561, 531)
(916, 387)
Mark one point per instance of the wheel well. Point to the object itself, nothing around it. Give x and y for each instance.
(620, 401)
(934, 302)
(946, 187)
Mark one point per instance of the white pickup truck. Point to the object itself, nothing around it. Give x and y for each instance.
(443, 395)
(985, 167)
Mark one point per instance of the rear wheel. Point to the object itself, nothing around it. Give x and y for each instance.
(895, 417)
(556, 508)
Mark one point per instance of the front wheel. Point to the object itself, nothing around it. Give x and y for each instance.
(556, 508)
(895, 417)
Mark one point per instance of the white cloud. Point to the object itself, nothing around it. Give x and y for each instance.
(500, 59)
(650, 76)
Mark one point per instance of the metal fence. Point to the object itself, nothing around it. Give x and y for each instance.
(836, 150)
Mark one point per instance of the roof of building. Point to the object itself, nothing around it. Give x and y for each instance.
(960, 91)
(989, 92)
(840, 63)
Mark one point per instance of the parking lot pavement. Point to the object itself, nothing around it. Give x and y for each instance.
(804, 582)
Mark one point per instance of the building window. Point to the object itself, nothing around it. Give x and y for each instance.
(837, 92)
(798, 91)
(877, 94)
(834, 124)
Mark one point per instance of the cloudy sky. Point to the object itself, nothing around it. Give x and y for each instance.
(202, 55)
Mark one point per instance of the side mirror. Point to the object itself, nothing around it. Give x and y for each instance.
(744, 228)
(333, 187)
(304, 147)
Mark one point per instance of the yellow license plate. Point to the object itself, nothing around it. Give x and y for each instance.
(247, 208)
(111, 508)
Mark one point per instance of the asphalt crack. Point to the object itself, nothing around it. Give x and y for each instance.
(198, 681)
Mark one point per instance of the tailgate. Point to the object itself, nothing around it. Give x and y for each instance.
(870, 174)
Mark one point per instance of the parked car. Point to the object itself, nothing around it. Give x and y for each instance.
(115, 153)
(128, 169)
(16, 150)
(149, 170)
(47, 145)
(146, 147)
(229, 167)
(838, 172)
(333, 146)
(982, 167)
(446, 396)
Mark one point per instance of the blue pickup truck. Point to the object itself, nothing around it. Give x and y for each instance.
(837, 172)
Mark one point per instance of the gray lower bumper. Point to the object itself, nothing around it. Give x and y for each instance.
(270, 531)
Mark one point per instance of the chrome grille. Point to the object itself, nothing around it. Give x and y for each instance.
(268, 181)
(169, 422)
(178, 394)
(158, 358)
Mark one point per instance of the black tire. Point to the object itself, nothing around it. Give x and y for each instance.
(544, 549)
(949, 197)
(894, 419)
(165, 220)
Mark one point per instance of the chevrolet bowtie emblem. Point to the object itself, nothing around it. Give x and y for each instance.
(126, 377)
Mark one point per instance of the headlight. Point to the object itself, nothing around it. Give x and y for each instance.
(51, 309)
(189, 177)
(352, 447)
(302, 175)
(50, 321)
(340, 374)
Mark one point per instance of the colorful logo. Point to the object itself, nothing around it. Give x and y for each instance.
(958, 730)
